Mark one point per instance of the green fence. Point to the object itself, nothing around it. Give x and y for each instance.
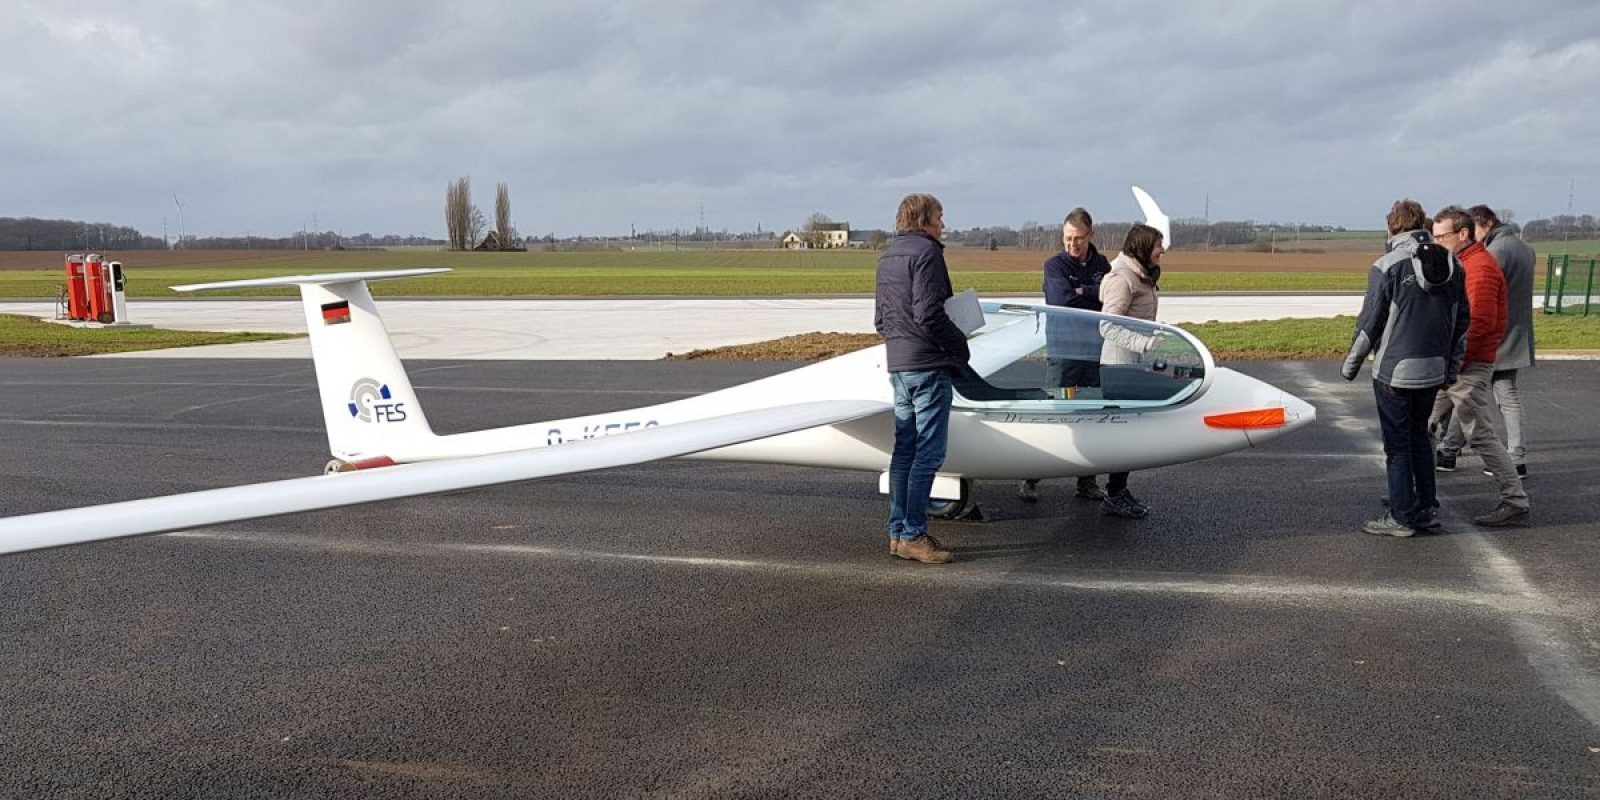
(1568, 284)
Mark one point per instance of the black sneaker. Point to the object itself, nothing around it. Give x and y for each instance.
(1089, 490)
(1387, 525)
(1444, 462)
(1428, 520)
(1522, 470)
(1028, 492)
(1123, 504)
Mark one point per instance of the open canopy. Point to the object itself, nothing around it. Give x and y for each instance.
(1062, 360)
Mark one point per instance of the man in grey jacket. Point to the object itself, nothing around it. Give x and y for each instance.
(1518, 263)
(922, 349)
(1415, 315)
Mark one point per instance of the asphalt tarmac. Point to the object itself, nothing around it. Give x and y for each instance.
(720, 630)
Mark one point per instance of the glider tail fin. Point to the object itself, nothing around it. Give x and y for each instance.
(368, 405)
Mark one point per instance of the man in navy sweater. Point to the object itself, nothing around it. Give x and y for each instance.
(1072, 279)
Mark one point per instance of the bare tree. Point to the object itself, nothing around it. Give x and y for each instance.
(1033, 236)
(502, 217)
(476, 225)
(816, 230)
(458, 211)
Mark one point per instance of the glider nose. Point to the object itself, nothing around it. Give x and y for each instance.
(1297, 413)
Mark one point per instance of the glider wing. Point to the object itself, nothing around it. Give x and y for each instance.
(215, 506)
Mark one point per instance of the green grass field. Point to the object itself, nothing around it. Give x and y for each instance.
(602, 275)
(728, 273)
(1588, 248)
(26, 336)
(717, 273)
(1228, 341)
(1330, 337)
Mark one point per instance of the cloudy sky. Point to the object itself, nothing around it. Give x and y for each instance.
(601, 116)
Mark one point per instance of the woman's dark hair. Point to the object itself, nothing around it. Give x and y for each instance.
(1141, 244)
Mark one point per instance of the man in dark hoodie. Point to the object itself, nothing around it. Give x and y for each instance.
(1072, 279)
(1415, 316)
(923, 346)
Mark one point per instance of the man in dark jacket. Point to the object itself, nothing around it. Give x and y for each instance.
(1072, 276)
(1415, 315)
(1072, 279)
(922, 346)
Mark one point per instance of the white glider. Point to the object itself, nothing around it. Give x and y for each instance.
(1015, 416)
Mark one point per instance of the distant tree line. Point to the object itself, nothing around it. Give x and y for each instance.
(325, 240)
(28, 233)
(1562, 226)
(1108, 236)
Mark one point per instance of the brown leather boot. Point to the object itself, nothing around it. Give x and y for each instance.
(926, 549)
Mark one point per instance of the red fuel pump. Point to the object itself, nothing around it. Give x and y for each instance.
(98, 288)
(77, 290)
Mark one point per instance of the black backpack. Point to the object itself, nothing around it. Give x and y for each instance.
(1435, 261)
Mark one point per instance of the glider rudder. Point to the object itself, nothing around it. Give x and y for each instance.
(368, 405)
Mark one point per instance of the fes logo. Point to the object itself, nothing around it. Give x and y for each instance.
(370, 401)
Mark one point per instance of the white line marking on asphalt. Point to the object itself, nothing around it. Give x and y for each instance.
(1554, 657)
(1550, 654)
(973, 576)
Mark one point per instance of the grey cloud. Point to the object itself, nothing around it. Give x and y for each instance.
(605, 115)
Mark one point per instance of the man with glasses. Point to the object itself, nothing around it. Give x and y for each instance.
(1516, 260)
(1072, 279)
(1471, 398)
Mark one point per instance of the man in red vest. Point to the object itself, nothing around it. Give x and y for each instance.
(1472, 395)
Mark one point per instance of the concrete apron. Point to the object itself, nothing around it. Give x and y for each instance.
(604, 329)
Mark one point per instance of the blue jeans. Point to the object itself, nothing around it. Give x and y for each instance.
(1403, 418)
(921, 429)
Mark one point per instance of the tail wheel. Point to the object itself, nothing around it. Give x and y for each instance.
(336, 466)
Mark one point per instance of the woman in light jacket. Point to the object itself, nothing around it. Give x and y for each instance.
(1130, 290)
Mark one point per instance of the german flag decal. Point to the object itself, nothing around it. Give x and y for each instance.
(335, 313)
